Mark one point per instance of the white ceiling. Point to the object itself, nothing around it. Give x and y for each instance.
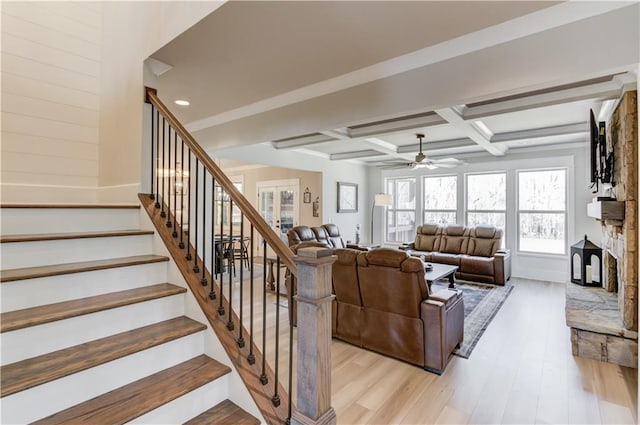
(357, 80)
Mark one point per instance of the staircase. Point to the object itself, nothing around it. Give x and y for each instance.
(92, 332)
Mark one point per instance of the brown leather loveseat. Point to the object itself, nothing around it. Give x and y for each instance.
(328, 234)
(383, 304)
(475, 250)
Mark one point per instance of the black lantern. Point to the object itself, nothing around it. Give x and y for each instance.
(584, 270)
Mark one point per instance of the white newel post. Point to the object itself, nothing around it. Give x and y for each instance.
(313, 404)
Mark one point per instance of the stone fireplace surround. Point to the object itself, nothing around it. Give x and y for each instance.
(604, 324)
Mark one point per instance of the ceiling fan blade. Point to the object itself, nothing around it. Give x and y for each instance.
(427, 165)
(445, 165)
(395, 166)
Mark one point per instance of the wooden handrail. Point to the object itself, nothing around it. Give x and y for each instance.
(247, 209)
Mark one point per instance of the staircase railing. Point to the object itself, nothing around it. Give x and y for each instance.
(203, 219)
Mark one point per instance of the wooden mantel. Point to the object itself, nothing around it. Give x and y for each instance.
(606, 210)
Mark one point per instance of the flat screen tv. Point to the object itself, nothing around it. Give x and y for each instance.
(594, 138)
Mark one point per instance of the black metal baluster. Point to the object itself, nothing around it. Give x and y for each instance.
(196, 269)
(168, 171)
(290, 394)
(232, 254)
(240, 338)
(224, 251)
(188, 257)
(251, 358)
(263, 377)
(175, 185)
(157, 159)
(151, 195)
(182, 189)
(164, 129)
(203, 279)
(276, 398)
(214, 265)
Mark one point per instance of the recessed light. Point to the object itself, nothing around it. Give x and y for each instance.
(182, 102)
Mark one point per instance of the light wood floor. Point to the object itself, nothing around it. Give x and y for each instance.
(520, 372)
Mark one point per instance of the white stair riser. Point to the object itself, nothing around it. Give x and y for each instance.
(36, 340)
(189, 405)
(48, 290)
(17, 221)
(28, 406)
(44, 253)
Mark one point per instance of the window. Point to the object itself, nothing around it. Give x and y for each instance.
(221, 197)
(486, 199)
(542, 211)
(440, 199)
(401, 215)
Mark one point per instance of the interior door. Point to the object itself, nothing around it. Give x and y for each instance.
(278, 205)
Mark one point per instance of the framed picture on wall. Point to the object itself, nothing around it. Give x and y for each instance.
(347, 197)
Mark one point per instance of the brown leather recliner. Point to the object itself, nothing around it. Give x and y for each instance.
(395, 314)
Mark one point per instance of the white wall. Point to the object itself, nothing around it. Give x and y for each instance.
(72, 94)
(527, 265)
(51, 67)
(332, 173)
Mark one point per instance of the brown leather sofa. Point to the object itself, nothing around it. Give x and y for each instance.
(475, 250)
(328, 234)
(383, 304)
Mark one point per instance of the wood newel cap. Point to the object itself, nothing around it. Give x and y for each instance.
(148, 90)
(314, 256)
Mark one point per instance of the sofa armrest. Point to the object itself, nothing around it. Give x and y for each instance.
(502, 266)
(446, 295)
(443, 327)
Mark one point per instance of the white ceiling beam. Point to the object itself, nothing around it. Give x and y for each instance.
(454, 118)
(434, 146)
(601, 91)
(355, 154)
(396, 125)
(537, 133)
(338, 134)
(297, 142)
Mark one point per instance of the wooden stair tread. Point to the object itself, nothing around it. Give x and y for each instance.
(74, 206)
(133, 400)
(25, 374)
(84, 266)
(225, 413)
(33, 316)
(37, 237)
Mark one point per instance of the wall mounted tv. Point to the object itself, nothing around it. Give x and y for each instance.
(601, 161)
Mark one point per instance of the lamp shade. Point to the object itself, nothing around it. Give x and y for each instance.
(382, 200)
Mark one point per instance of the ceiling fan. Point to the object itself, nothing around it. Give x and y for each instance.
(422, 161)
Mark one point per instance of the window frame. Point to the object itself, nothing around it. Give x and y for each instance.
(425, 210)
(506, 201)
(396, 210)
(565, 211)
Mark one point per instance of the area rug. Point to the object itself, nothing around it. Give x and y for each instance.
(481, 304)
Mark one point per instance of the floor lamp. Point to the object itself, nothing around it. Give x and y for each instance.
(379, 200)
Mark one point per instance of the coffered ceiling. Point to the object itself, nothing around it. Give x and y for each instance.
(355, 81)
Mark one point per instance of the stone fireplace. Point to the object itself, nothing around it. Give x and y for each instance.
(604, 321)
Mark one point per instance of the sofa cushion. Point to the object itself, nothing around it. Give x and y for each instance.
(476, 265)
(454, 240)
(300, 234)
(387, 257)
(428, 237)
(445, 258)
(345, 277)
(321, 234)
(484, 241)
(333, 235)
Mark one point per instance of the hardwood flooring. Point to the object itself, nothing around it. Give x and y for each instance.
(521, 371)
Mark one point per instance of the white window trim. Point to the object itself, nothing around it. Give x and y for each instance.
(396, 210)
(565, 212)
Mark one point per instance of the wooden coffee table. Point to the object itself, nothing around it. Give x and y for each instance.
(440, 271)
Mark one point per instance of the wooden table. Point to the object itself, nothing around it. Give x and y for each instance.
(440, 271)
(271, 262)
